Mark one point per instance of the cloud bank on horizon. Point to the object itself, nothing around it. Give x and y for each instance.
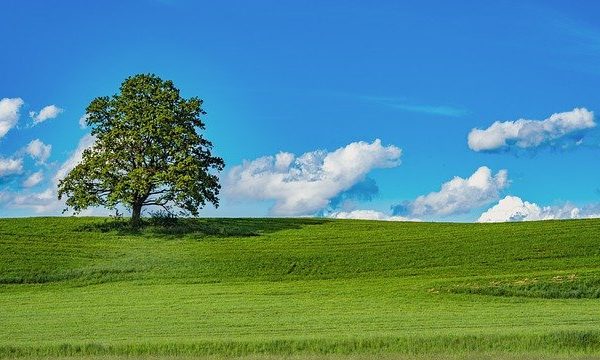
(513, 208)
(369, 215)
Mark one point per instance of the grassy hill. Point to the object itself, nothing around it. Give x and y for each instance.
(305, 287)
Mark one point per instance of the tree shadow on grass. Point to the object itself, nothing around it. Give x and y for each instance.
(207, 227)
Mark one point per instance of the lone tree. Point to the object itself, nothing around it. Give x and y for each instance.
(147, 152)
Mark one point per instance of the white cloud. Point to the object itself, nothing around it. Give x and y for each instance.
(368, 215)
(461, 195)
(9, 114)
(530, 133)
(82, 121)
(34, 179)
(99, 211)
(39, 151)
(46, 202)
(41, 202)
(513, 208)
(305, 184)
(85, 142)
(48, 112)
(10, 166)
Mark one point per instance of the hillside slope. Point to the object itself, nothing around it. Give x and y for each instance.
(240, 286)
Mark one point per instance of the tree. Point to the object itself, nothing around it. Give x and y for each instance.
(147, 152)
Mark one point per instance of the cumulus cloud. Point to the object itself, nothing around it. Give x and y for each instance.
(48, 112)
(368, 215)
(525, 133)
(39, 151)
(458, 195)
(33, 179)
(10, 166)
(306, 184)
(9, 114)
(513, 208)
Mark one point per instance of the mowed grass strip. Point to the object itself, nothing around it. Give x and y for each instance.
(236, 287)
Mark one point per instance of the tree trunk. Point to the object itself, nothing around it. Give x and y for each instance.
(136, 213)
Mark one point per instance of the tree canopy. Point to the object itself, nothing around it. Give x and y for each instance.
(147, 151)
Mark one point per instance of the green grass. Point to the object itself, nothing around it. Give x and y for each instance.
(556, 287)
(299, 288)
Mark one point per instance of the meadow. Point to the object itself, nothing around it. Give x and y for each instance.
(299, 289)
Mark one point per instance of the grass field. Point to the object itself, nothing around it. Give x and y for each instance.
(299, 288)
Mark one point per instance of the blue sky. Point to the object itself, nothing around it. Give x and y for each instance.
(297, 77)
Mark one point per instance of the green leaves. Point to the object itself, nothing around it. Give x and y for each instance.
(147, 152)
